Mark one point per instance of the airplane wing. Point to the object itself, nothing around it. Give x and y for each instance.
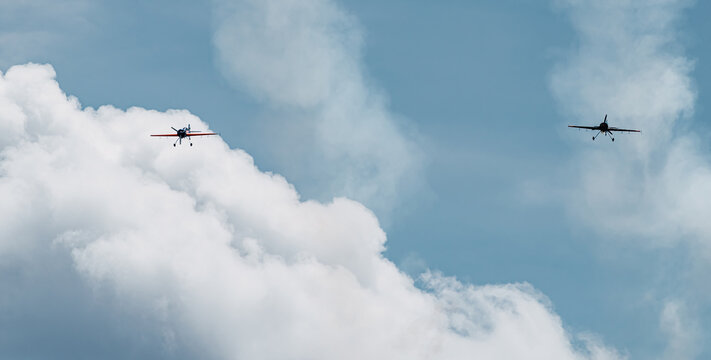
(164, 135)
(201, 134)
(624, 130)
(585, 127)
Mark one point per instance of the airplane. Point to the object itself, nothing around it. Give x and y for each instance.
(185, 133)
(603, 128)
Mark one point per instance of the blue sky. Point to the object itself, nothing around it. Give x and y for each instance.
(471, 83)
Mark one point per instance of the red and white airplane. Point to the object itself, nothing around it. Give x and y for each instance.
(185, 133)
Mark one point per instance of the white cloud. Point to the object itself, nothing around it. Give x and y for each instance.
(304, 58)
(193, 250)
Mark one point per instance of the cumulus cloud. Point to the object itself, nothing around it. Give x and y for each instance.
(629, 64)
(304, 58)
(162, 252)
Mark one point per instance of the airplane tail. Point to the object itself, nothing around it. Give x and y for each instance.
(605, 121)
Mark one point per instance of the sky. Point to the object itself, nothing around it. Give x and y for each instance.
(392, 180)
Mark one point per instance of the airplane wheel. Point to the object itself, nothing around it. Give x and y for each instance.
(613, 140)
(191, 144)
(173, 145)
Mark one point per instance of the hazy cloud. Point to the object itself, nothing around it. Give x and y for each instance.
(29, 28)
(629, 64)
(303, 58)
(682, 330)
(162, 252)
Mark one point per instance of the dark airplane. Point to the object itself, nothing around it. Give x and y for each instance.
(603, 128)
(184, 133)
